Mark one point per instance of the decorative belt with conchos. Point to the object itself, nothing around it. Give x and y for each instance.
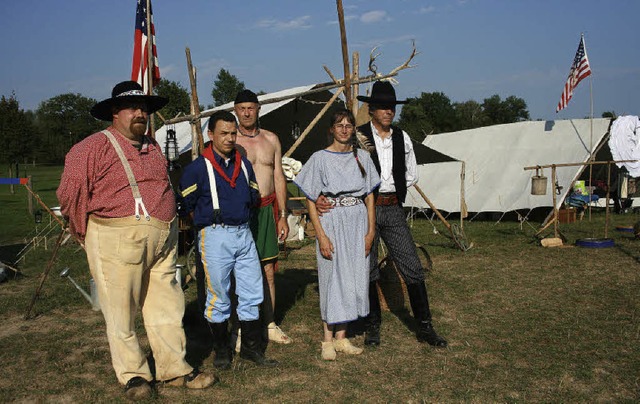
(344, 201)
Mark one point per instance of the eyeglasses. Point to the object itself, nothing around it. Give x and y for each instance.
(341, 126)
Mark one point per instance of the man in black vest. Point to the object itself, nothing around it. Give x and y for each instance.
(396, 163)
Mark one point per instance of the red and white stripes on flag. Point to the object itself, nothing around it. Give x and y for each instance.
(579, 70)
(141, 50)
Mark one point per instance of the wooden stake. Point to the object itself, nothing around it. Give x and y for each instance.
(197, 142)
(356, 87)
(345, 55)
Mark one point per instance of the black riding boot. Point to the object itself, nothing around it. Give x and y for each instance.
(420, 306)
(221, 345)
(252, 343)
(373, 320)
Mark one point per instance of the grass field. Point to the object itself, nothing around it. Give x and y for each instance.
(524, 324)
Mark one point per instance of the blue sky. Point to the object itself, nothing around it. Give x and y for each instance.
(468, 49)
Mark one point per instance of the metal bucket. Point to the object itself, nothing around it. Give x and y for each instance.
(538, 185)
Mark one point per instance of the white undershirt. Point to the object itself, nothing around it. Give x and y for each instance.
(384, 147)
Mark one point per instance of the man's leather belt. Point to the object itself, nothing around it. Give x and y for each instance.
(387, 199)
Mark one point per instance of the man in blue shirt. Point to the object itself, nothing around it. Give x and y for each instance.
(219, 190)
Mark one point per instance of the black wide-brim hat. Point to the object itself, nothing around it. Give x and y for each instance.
(127, 91)
(382, 93)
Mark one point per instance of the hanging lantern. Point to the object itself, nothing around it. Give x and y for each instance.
(37, 216)
(295, 128)
(171, 149)
(295, 131)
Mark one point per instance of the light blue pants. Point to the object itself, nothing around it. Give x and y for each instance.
(227, 249)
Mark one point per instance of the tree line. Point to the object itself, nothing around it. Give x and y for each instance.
(46, 134)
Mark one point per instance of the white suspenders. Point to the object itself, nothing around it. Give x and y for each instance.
(132, 180)
(212, 182)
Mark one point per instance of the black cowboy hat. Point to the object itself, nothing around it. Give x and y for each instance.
(382, 93)
(126, 91)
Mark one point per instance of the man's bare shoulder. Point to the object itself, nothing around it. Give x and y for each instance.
(270, 136)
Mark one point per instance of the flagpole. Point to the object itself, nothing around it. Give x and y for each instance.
(150, 65)
(591, 156)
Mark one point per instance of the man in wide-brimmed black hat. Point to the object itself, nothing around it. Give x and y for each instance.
(116, 195)
(395, 161)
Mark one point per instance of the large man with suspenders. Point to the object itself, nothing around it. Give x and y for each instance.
(116, 194)
(220, 192)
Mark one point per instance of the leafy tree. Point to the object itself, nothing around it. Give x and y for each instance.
(609, 114)
(429, 113)
(179, 101)
(496, 111)
(17, 132)
(63, 121)
(469, 115)
(225, 87)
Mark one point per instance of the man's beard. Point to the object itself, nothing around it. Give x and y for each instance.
(138, 127)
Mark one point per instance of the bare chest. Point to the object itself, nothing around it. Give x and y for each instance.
(259, 150)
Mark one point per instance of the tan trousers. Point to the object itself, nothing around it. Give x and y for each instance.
(133, 264)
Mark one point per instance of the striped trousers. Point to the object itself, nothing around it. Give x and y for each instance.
(392, 228)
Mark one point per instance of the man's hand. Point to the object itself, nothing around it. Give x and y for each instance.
(323, 205)
(283, 228)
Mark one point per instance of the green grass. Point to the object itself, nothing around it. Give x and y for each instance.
(524, 324)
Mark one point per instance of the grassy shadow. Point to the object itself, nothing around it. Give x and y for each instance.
(290, 288)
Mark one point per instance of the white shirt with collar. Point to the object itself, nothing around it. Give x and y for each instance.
(384, 148)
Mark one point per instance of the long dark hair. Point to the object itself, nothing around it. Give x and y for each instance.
(338, 116)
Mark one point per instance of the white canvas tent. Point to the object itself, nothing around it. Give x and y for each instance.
(494, 159)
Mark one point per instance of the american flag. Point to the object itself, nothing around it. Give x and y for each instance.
(140, 50)
(579, 70)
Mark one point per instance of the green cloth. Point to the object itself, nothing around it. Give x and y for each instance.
(263, 228)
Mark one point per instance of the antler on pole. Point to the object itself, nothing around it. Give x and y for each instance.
(406, 64)
(345, 55)
(197, 143)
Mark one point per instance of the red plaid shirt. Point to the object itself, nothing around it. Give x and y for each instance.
(94, 181)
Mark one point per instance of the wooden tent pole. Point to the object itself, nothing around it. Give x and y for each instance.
(319, 88)
(555, 208)
(356, 87)
(37, 198)
(606, 202)
(152, 126)
(345, 55)
(313, 123)
(577, 164)
(442, 219)
(197, 143)
(463, 203)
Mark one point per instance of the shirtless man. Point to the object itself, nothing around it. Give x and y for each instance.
(263, 150)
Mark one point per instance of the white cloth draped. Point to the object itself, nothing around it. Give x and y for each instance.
(624, 142)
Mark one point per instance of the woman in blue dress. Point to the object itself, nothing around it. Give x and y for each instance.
(345, 175)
